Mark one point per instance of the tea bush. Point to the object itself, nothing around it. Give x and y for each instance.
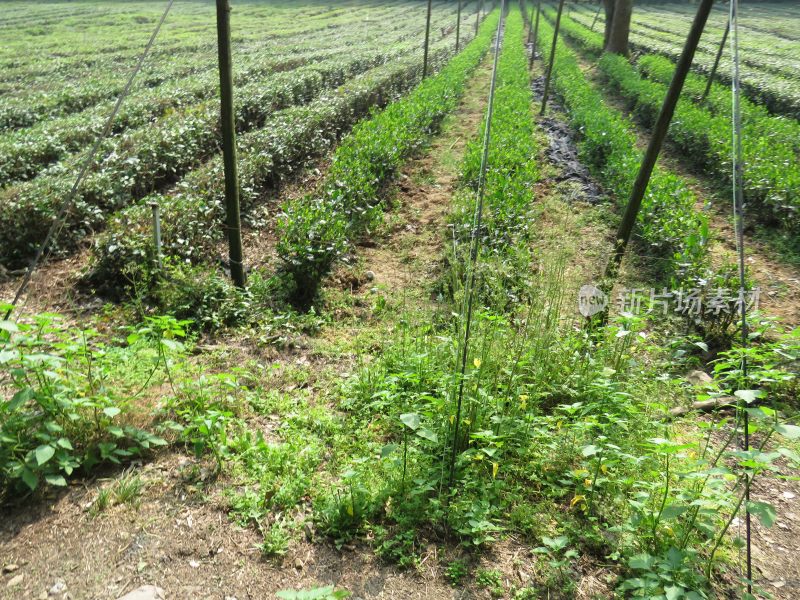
(316, 230)
(669, 225)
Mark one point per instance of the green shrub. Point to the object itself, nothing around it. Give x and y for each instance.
(348, 202)
(770, 144)
(72, 398)
(669, 224)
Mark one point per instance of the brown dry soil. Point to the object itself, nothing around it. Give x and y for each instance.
(776, 561)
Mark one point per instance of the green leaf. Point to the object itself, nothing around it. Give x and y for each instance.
(43, 453)
(590, 450)
(673, 511)
(55, 479)
(641, 561)
(748, 396)
(111, 411)
(428, 435)
(411, 420)
(388, 449)
(30, 478)
(9, 326)
(673, 592)
(20, 398)
(790, 432)
(765, 512)
(555, 543)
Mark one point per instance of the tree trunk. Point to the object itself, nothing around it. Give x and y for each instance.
(620, 29)
(609, 6)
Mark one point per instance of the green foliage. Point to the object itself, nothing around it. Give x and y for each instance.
(322, 593)
(456, 572)
(193, 212)
(770, 147)
(206, 297)
(668, 225)
(508, 191)
(316, 230)
(204, 412)
(768, 56)
(492, 580)
(71, 397)
(167, 133)
(276, 541)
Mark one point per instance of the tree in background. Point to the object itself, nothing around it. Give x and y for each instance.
(618, 25)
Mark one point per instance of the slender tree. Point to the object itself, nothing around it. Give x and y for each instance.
(618, 27)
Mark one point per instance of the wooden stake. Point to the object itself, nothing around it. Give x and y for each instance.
(657, 139)
(458, 25)
(596, 15)
(535, 34)
(716, 61)
(552, 57)
(427, 40)
(233, 221)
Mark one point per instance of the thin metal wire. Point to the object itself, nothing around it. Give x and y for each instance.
(469, 290)
(58, 222)
(738, 214)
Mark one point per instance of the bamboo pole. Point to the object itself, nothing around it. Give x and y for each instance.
(657, 140)
(233, 216)
(530, 24)
(716, 61)
(549, 74)
(458, 26)
(427, 41)
(738, 215)
(596, 15)
(535, 35)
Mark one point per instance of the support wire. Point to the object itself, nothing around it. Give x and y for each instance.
(475, 242)
(58, 222)
(738, 213)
